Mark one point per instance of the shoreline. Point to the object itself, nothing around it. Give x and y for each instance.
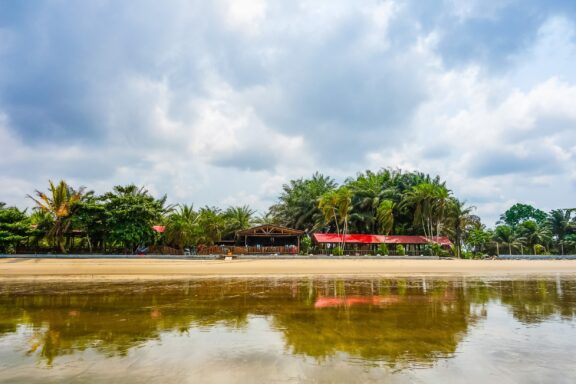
(154, 269)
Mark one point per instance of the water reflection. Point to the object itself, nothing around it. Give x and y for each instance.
(396, 322)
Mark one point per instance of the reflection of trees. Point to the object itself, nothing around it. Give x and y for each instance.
(407, 324)
(536, 300)
(393, 320)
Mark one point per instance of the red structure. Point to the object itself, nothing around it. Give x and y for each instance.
(367, 244)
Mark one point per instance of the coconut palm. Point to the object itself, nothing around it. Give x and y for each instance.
(182, 227)
(238, 218)
(533, 234)
(459, 220)
(385, 216)
(429, 202)
(560, 224)
(212, 224)
(59, 203)
(297, 206)
(504, 234)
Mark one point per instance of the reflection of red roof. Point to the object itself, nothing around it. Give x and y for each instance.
(159, 228)
(378, 239)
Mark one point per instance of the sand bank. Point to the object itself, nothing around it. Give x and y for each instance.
(162, 269)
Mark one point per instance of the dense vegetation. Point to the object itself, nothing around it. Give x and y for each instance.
(389, 201)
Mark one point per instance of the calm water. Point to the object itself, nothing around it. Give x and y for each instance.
(470, 330)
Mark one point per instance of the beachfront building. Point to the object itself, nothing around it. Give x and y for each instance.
(355, 244)
(268, 239)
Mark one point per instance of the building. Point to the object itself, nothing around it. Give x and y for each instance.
(359, 244)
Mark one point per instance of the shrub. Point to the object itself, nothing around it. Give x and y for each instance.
(400, 250)
(305, 245)
(383, 249)
(539, 249)
(338, 251)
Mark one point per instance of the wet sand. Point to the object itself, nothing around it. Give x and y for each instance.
(115, 269)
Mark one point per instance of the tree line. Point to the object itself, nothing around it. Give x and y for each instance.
(388, 201)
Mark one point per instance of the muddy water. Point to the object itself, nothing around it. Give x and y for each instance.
(474, 330)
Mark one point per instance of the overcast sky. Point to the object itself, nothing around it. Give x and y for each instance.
(221, 102)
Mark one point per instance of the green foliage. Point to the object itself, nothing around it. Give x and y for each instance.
(60, 203)
(182, 229)
(237, 219)
(338, 251)
(297, 206)
(385, 216)
(14, 228)
(132, 212)
(539, 249)
(305, 245)
(383, 249)
(520, 213)
(400, 250)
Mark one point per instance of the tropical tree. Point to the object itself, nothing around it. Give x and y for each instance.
(519, 213)
(335, 205)
(385, 216)
(59, 203)
(459, 221)
(182, 228)
(212, 225)
(237, 219)
(533, 233)
(132, 212)
(560, 223)
(478, 238)
(297, 206)
(430, 203)
(14, 228)
(369, 190)
(504, 234)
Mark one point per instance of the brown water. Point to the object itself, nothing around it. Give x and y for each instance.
(473, 330)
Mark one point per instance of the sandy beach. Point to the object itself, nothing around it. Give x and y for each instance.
(164, 269)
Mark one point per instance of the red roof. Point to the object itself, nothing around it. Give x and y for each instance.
(378, 239)
(159, 228)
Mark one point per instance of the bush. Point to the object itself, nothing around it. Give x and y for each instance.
(539, 249)
(400, 250)
(305, 245)
(383, 249)
(338, 251)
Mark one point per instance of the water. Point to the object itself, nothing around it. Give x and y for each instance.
(451, 330)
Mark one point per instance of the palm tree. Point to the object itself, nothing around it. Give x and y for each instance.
(298, 203)
(505, 234)
(327, 205)
(430, 202)
(459, 220)
(560, 223)
(59, 203)
(182, 227)
(212, 225)
(385, 216)
(238, 218)
(369, 190)
(335, 205)
(533, 233)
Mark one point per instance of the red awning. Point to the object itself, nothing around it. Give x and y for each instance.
(378, 239)
(159, 228)
(348, 238)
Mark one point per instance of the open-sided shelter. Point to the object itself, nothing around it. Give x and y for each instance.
(368, 244)
(268, 238)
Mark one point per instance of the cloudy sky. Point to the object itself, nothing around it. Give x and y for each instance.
(221, 102)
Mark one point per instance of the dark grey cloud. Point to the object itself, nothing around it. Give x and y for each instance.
(501, 162)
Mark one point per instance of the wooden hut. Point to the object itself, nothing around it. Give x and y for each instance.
(268, 239)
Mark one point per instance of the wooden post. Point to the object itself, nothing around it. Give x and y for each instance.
(298, 247)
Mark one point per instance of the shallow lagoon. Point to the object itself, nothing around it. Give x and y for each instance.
(399, 330)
